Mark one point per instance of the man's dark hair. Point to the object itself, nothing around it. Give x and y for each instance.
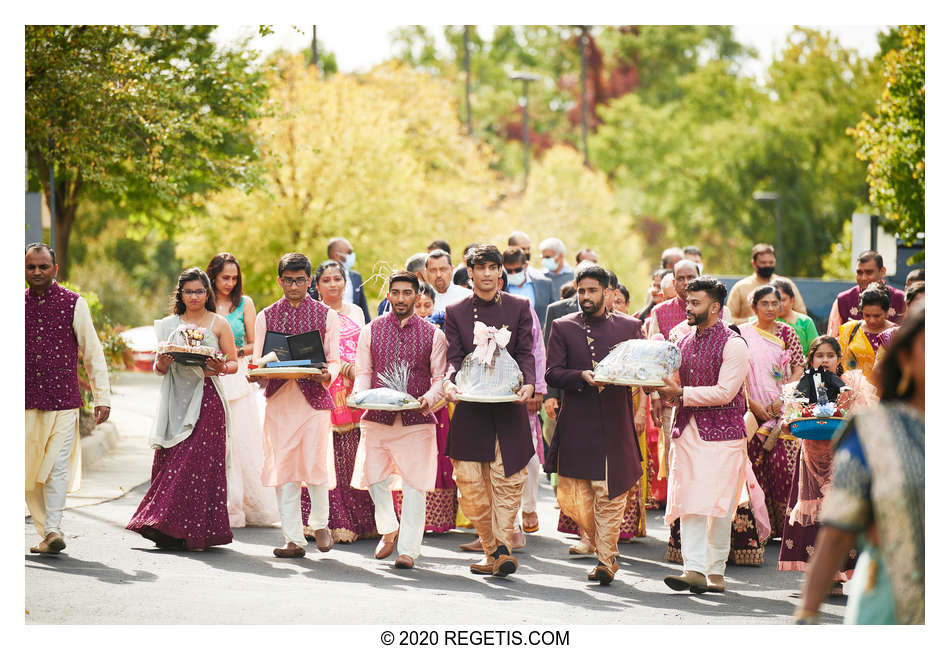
(913, 291)
(403, 275)
(612, 280)
(427, 289)
(762, 249)
(194, 273)
(294, 262)
(711, 287)
(460, 277)
(916, 275)
(216, 265)
(871, 256)
(624, 292)
(567, 290)
(876, 294)
(438, 253)
(693, 250)
(513, 255)
(483, 254)
(41, 245)
(594, 272)
(440, 244)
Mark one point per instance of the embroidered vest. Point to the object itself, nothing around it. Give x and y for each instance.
(308, 316)
(52, 351)
(849, 305)
(702, 359)
(412, 344)
(668, 314)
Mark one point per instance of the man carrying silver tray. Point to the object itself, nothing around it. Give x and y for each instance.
(400, 352)
(594, 449)
(490, 443)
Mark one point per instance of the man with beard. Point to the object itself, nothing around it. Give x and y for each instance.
(763, 263)
(403, 443)
(708, 456)
(847, 306)
(439, 273)
(594, 449)
(297, 416)
(490, 444)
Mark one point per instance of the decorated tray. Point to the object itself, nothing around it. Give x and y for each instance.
(411, 406)
(820, 428)
(288, 372)
(645, 383)
(489, 399)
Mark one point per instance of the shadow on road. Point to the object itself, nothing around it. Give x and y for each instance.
(62, 563)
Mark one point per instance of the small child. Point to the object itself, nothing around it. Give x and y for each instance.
(822, 369)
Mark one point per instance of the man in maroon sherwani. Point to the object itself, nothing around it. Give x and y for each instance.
(490, 444)
(594, 450)
(847, 306)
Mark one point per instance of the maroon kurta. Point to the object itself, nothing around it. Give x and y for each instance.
(594, 433)
(849, 305)
(474, 427)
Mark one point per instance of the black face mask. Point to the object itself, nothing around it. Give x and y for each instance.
(527, 257)
(765, 272)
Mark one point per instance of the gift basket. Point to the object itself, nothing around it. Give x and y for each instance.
(391, 396)
(816, 421)
(489, 374)
(185, 345)
(638, 362)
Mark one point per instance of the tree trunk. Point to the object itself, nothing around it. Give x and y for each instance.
(67, 201)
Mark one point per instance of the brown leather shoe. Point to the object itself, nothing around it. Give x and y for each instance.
(51, 545)
(605, 574)
(291, 550)
(386, 545)
(504, 565)
(715, 583)
(324, 539)
(404, 562)
(530, 522)
(474, 546)
(483, 569)
(692, 580)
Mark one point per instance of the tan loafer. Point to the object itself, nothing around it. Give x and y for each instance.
(692, 580)
(386, 545)
(605, 574)
(324, 539)
(474, 546)
(715, 583)
(483, 569)
(291, 550)
(51, 545)
(504, 565)
(530, 522)
(404, 562)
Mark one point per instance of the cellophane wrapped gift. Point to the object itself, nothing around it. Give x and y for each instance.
(638, 362)
(501, 378)
(392, 394)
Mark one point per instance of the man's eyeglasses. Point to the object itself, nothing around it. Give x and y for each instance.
(289, 282)
(194, 292)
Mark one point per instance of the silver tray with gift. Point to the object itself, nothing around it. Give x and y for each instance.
(383, 399)
(492, 383)
(638, 362)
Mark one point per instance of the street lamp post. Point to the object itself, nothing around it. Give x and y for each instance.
(774, 196)
(525, 78)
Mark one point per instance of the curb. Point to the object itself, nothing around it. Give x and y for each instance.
(97, 445)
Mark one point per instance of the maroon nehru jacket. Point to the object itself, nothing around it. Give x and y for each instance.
(474, 427)
(594, 432)
(308, 316)
(52, 351)
(849, 305)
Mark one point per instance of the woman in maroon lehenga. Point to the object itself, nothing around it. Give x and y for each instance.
(186, 504)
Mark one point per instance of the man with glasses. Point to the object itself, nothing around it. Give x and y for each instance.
(297, 417)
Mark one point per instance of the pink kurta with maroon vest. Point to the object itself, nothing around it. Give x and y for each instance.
(308, 316)
(51, 351)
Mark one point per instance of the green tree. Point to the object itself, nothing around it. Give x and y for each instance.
(892, 142)
(150, 118)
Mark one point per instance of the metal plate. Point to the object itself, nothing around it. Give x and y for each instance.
(493, 399)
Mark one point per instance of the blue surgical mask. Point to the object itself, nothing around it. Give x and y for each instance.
(517, 279)
(549, 263)
(349, 261)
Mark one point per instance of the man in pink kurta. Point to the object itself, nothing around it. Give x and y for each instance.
(708, 456)
(297, 444)
(403, 443)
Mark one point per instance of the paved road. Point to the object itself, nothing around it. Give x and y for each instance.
(110, 575)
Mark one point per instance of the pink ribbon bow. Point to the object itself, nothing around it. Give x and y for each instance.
(488, 340)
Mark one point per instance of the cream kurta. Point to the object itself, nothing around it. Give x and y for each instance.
(707, 476)
(297, 444)
(410, 452)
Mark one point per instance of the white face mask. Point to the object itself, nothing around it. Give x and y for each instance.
(517, 279)
(549, 263)
(349, 261)
(699, 268)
